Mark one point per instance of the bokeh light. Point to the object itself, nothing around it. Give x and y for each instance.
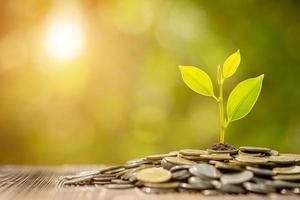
(64, 39)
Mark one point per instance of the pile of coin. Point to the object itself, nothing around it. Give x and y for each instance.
(211, 172)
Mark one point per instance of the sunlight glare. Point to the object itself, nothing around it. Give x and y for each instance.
(64, 40)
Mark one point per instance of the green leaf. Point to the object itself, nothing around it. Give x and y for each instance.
(231, 64)
(243, 97)
(197, 80)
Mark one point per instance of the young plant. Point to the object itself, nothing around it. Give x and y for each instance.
(242, 98)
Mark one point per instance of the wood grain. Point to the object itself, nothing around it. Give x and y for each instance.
(27, 182)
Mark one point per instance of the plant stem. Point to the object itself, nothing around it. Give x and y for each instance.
(222, 114)
(223, 122)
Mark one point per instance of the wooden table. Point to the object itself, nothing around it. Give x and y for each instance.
(27, 182)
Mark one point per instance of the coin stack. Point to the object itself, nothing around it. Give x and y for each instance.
(211, 172)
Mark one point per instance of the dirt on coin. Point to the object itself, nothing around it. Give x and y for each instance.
(222, 147)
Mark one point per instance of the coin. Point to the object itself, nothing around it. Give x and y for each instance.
(179, 167)
(166, 165)
(157, 190)
(211, 192)
(220, 156)
(179, 161)
(226, 165)
(233, 151)
(163, 185)
(258, 188)
(287, 177)
(197, 186)
(251, 160)
(274, 153)
(85, 178)
(286, 192)
(287, 170)
(119, 181)
(260, 171)
(180, 175)
(196, 179)
(192, 158)
(282, 159)
(192, 152)
(101, 182)
(296, 190)
(154, 175)
(255, 149)
(296, 156)
(229, 188)
(118, 186)
(241, 153)
(82, 174)
(282, 184)
(236, 178)
(204, 170)
(159, 156)
(102, 178)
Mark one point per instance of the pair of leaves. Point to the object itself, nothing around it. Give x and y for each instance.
(242, 98)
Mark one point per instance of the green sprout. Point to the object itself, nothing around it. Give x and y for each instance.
(240, 101)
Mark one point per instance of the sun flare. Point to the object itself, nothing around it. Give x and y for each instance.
(64, 40)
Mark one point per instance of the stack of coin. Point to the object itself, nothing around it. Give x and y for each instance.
(248, 169)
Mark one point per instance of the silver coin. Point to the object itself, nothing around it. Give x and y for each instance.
(156, 190)
(101, 182)
(236, 178)
(103, 178)
(119, 181)
(196, 179)
(205, 170)
(286, 192)
(260, 171)
(179, 167)
(296, 190)
(180, 175)
(197, 186)
(79, 180)
(82, 174)
(119, 186)
(258, 188)
(166, 165)
(282, 184)
(229, 188)
(211, 192)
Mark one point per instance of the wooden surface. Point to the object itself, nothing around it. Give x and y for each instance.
(25, 182)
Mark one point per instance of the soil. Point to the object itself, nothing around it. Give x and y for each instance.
(222, 147)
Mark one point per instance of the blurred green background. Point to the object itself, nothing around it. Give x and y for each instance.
(116, 93)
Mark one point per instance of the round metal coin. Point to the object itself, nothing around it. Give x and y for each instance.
(154, 175)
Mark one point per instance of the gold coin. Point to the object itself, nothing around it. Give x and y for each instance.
(255, 149)
(233, 151)
(287, 177)
(192, 152)
(287, 170)
(179, 161)
(296, 156)
(282, 159)
(163, 185)
(252, 160)
(219, 156)
(241, 153)
(226, 165)
(159, 156)
(154, 175)
(194, 158)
